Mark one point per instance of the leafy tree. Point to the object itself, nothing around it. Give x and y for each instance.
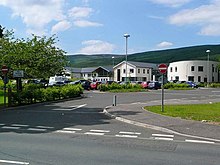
(37, 56)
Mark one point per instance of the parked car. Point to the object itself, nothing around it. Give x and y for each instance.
(56, 83)
(191, 84)
(144, 84)
(94, 85)
(154, 85)
(85, 83)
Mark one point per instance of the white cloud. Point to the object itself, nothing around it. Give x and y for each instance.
(171, 3)
(97, 47)
(36, 14)
(80, 12)
(85, 23)
(164, 44)
(61, 26)
(205, 16)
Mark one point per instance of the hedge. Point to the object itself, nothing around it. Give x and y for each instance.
(32, 93)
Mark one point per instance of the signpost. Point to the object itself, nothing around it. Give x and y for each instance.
(163, 69)
(4, 70)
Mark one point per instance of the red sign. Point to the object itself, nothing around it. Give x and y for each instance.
(4, 69)
(162, 68)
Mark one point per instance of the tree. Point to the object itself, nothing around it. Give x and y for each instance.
(37, 56)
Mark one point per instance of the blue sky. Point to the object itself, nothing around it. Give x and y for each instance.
(98, 26)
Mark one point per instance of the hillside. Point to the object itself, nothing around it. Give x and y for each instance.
(160, 56)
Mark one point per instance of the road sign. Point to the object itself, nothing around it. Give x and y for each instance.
(18, 73)
(162, 68)
(4, 69)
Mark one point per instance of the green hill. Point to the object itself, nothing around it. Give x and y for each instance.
(160, 56)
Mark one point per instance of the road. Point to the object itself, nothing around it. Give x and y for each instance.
(77, 132)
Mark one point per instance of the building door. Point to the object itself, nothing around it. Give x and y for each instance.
(118, 74)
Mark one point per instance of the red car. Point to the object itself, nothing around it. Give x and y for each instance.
(144, 84)
(94, 85)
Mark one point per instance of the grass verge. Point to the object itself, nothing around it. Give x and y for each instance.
(199, 112)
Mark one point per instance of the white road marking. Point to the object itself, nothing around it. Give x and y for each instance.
(127, 136)
(162, 135)
(199, 141)
(13, 162)
(8, 127)
(72, 129)
(70, 109)
(65, 131)
(46, 127)
(130, 133)
(161, 138)
(94, 133)
(98, 130)
(36, 129)
(80, 106)
(2, 124)
(19, 125)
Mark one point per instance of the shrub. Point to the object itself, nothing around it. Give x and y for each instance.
(176, 86)
(215, 85)
(32, 93)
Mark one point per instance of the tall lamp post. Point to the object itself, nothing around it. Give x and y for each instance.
(113, 63)
(126, 54)
(208, 52)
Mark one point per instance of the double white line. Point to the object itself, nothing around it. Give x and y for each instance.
(128, 134)
(163, 137)
(97, 132)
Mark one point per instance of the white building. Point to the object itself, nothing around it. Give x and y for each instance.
(136, 71)
(196, 71)
(93, 73)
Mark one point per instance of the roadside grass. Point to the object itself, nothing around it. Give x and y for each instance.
(199, 112)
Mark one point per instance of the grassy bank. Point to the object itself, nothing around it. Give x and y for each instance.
(199, 112)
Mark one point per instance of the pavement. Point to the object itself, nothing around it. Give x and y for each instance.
(135, 114)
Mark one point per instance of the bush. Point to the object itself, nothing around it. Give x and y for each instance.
(32, 93)
(215, 85)
(176, 86)
(118, 87)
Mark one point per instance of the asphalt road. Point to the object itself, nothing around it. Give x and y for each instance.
(77, 132)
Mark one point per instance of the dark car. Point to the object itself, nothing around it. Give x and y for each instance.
(85, 83)
(191, 84)
(154, 85)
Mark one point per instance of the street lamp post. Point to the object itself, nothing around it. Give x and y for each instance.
(113, 63)
(208, 52)
(126, 54)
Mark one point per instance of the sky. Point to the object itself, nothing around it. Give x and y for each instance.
(98, 26)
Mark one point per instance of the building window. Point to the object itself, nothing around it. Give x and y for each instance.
(213, 68)
(200, 68)
(124, 71)
(192, 68)
(199, 78)
(148, 71)
(131, 70)
(177, 78)
(175, 69)
(190, 78)
(143, 71)
(171, 69)
(213, 79)
(139, 70)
